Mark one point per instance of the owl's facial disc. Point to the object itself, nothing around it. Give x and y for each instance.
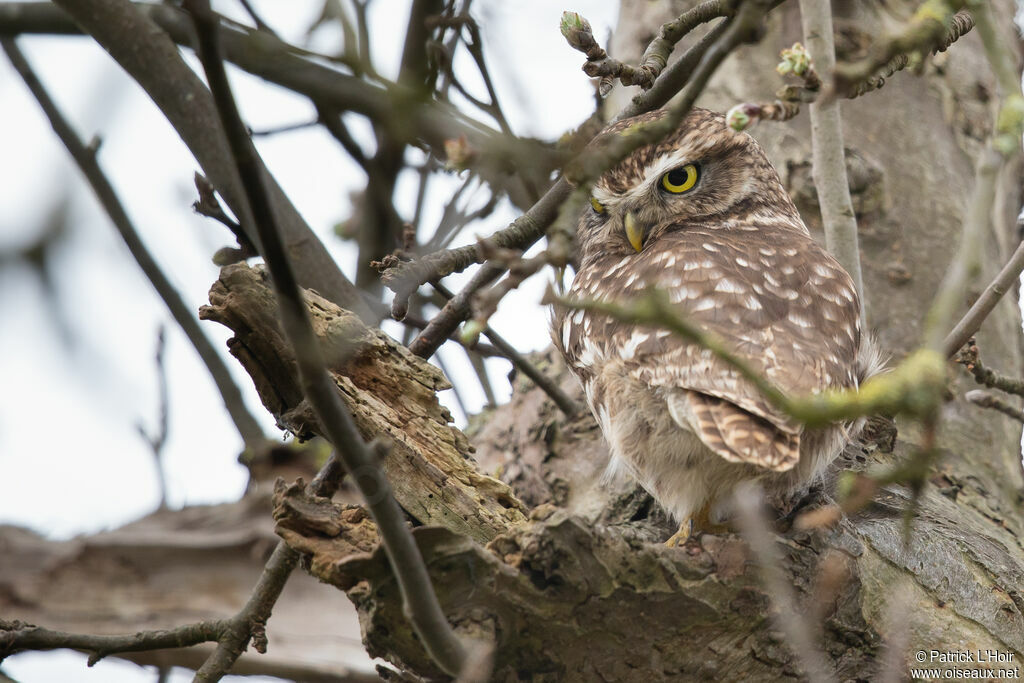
(634, 231)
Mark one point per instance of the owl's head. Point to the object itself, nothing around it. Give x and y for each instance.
(702, 175)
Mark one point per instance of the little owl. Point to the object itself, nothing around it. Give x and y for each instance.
(703, 216)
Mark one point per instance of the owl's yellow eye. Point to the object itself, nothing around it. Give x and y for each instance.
(598, 206)
(680, 180)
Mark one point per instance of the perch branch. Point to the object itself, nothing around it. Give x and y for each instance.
(418, 595)
(85, 156)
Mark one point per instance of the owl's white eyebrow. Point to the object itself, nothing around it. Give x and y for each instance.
(650, 174)
(653, 171)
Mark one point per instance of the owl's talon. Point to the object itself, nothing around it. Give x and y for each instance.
(680, 537)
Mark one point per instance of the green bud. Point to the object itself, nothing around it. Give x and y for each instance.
(796, 60)
(471, 332)
(576, 30)
(737, 119)
(573, 21)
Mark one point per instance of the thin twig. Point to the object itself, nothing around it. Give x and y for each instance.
(158, 440)
(545, 383)
(828, 152)
(984, 399)
(247, 426)
(260, 24)
(250, 622)
(748, 503)
(933, 28)
(970, 359)
(1003, 282)
(360, 459)
(599, 64)
(17, 636)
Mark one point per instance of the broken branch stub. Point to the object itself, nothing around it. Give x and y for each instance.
(390, 391)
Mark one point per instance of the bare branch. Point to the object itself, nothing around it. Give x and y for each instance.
(248, 428)
(984, 399)
(153, 61)
(579, 35)
(827, 149)
(414, 582)
(969, 358)
(933, 28)
(986, 303)
(16, 636)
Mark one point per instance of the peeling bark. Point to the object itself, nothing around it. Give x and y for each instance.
(390, 391)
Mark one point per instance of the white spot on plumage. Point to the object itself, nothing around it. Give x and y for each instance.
(705, 304)
(742, 262)
(730, 286)
(628, 350)
(710, 247)
(798, 319)
(684, 292)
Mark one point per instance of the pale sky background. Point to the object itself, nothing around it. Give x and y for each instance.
(77, 369)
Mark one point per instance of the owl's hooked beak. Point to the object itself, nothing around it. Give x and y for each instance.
(634, 231)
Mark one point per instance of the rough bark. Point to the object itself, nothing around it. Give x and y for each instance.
(390, 391)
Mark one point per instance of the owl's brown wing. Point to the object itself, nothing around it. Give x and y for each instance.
(782, 304)
(733, 433)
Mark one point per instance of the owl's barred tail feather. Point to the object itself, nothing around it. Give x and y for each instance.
(735, 434)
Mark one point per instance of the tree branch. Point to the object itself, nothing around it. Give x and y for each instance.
(828, 151)
(247, 426)
(16, 636)
(360, 459)
(152, 60)
(1003, 282)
